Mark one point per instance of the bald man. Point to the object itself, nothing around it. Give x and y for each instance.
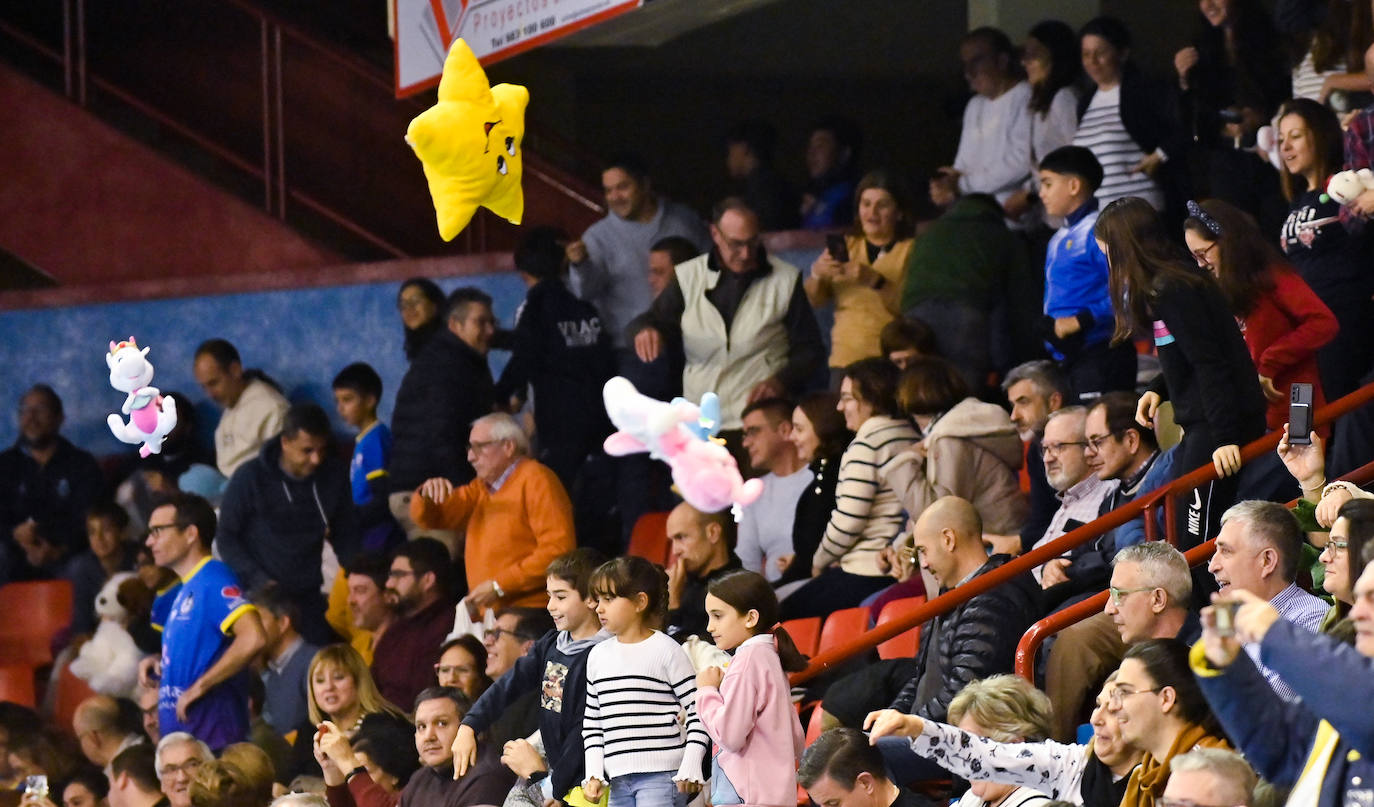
(703, 546)
(103, 730)
(974, 641)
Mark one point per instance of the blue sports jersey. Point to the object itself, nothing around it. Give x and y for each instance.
(371, 453)
(194, 636)
(162, 605)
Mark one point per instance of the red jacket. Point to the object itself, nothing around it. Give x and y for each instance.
(1283, 333)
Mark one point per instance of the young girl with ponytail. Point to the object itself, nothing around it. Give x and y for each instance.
(747, 709)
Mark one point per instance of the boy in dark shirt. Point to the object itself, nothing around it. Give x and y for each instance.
(556, 666)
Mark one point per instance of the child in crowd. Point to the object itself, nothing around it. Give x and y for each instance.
(1206, 369)
(636, 685)
(1078, 318)
(556, 666)
(747, 709)
(107, 528)
(357, 389)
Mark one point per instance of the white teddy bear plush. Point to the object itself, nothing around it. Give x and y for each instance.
(109, 660)
(1346, 186)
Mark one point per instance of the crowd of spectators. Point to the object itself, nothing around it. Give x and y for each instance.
(1107, 242)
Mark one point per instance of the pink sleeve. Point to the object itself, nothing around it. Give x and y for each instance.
(729, 713)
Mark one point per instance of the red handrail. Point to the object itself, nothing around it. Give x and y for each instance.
(952, 599)
(1030, 642)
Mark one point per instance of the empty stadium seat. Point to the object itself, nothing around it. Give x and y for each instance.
(34, 612)
(16, 685)
(805, 633)
(71, 691)
(842, 626)
(903, 645)
(649, 539)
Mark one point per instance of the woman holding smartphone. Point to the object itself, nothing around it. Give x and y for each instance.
(862, 273)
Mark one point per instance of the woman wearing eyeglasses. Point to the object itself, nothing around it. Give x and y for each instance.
(463, 665)
(1207, 372)
(1353, 528)
(1092, 775)
(1283, 320)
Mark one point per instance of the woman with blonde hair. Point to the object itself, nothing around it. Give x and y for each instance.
(223, 784)
(341, 689)
(1092, 774)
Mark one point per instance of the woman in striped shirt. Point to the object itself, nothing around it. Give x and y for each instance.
(867, 515)
(1122, 121)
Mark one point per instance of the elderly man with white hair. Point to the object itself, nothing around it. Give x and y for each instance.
(179, 754)
(516, 513)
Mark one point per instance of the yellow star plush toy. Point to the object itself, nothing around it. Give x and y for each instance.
(469, 144)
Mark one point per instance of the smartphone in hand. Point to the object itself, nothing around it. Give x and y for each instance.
(1300, 414)
(838, 249)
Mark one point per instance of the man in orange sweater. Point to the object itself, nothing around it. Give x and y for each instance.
(517, 515)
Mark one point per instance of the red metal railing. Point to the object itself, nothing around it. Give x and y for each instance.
(950, 600)
(1030, 643)
(306, 130)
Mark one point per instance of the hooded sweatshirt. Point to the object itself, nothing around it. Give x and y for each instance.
(556, 666)
(272, 526)
(971, 451)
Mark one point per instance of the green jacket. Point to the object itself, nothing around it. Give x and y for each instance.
(968, 255)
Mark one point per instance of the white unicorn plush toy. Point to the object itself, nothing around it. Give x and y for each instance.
(151, 416)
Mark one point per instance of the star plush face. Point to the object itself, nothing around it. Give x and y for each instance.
(469, 144)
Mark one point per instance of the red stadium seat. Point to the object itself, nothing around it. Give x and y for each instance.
(33, 614)
(71, 691)
(842, 626)
(16, 685)
(805, 633)
(903, 645)
(649, 539)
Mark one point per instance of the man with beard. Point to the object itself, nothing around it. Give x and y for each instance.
(404, 657)
(46, 484)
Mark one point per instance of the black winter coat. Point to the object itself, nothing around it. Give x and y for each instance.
(447, 387)
(975, 640)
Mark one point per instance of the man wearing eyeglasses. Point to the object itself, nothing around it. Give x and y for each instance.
(1149, 597)
(1080, 493)
(177, 758)
(418, 583)
(746, 326)
(210, 635)
(516, 514)
(1123, 452)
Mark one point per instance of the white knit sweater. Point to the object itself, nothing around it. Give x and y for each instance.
(635, 693)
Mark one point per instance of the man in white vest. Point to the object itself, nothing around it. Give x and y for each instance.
(746, 328)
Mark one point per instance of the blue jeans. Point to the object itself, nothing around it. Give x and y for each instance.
(646, 790)
(722, 789)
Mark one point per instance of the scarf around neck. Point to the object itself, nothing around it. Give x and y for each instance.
(1148, 780)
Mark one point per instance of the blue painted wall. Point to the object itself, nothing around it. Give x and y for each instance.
(301, 338)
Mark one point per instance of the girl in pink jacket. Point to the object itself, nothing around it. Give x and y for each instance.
(747, 709)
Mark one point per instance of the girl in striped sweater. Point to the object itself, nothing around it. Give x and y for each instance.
(637, 684)
(747, 709)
